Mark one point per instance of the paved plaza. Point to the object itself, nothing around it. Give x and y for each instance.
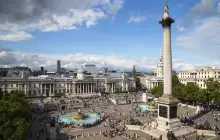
(116, 115)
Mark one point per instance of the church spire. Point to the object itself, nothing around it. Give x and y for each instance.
(161, 53)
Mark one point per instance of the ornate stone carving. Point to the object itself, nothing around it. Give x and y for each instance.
(166, 22)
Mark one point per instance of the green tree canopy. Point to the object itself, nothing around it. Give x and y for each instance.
(157, 91)
(178, 89)
(192, 91)
(213, 90)
(138, 84)
(15, 119)
(175, 81)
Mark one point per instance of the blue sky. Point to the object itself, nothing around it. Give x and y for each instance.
(127, 28)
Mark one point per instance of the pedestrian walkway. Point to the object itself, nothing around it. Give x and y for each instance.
(184, 130)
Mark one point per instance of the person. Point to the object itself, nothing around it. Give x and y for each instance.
(38, 136)
(47, 138)
(203, 135)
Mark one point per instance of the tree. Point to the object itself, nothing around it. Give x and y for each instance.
(192, 91)
(178, 89)
(15, 119)
(213, 90)
(157, 91)
(175, 81)
(202, 96)
(138, 84)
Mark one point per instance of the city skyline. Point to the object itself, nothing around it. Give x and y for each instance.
(117, 34)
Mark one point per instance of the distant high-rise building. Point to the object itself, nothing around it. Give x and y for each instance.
(58, 66)
(42, 70)
(90, 68)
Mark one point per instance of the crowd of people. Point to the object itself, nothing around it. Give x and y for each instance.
(113, 116)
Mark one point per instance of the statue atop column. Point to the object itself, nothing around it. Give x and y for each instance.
(166, 8)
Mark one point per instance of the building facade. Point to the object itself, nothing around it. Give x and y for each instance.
(57, 85)
(149, 81)
(199, 76)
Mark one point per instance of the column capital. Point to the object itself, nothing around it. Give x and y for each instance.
(166, 22)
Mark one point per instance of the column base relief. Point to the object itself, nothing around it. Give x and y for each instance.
(165, 124)
(168, 100)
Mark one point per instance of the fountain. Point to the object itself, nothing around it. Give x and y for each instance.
(79, 118)
(147, 107)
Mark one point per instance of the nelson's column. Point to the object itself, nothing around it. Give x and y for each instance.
(167, 104)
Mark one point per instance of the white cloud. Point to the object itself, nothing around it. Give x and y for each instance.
(53, 15)
(181, 29)
(15, 36)
(203, 39)
(72, 61)
(200, 11)
(179, 5)
(200, 30)
(136, 19)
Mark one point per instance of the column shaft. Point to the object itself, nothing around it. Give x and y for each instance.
(167, 62)
(91, 88)
(50, 88)
(41, 88)
(54, 87)
(45, 88)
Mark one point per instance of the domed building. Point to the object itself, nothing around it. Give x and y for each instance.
(81, 74)
(84, 82)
